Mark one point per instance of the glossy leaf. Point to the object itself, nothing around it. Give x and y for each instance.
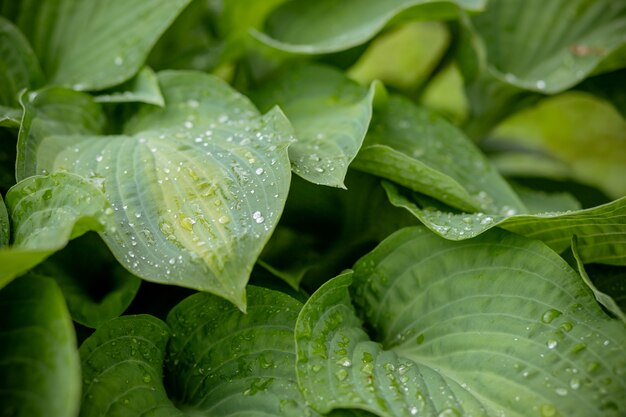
(496, 325)
(304, 27)
(122, 365)
(142, 88)
(197, 186)
(416, 148)
(46, 212)
(549, 47)
(217, 361)
(39, 363)
(221, 360)
(19, 67)
(601, 230)
(90, 45)
(330, 115)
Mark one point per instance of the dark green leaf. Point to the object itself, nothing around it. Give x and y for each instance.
(605, 299)
(418, 149)
(39, 363)
(5, 229)
(601, 230)
(496, 325)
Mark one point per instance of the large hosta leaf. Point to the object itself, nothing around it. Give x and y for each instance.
(414, 147)
(304, 27)
(39, 363)
(46, 212)
(89, 44)
(601, 230)
(549, 47)
(218, 361)
(197, 187)
(330, 115)
(498, 325)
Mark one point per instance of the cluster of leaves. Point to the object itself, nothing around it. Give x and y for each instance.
(459, 171)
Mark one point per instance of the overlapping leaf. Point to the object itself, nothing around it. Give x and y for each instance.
(142, 88)
(414, 147)
(39, 363)
(330, 115)
(217, 361)
(601, 230)
(196, 187)
(549, 47)
(46, 212)
(304, 27)
(91, 45)
(496, 325)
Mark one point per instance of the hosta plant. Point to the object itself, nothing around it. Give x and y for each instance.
(331, 208)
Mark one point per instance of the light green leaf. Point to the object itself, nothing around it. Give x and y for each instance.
(610, 87)
(46, 212)
(19, 67)
(418, 149)
(304, 27)
(39, 363)
(143, 88)
(577, 130)
(96, 288)
(91, 45)
(404, 57)
(197, 187)
(221, 359)
(330, 115)
(496, 325)
(5, 229)
(122, 365)
(601, 230)
(215, 361)
(549, 47)
(603, 298)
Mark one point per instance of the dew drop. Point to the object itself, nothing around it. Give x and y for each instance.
(547, 410)
(118, 60)
(551, 344)
(147, 378)
(224, 220)
(259, 171)
(187, 223)
(550, 315)
(561, 391)
(341, 374)
(540, 84)
(188, 124)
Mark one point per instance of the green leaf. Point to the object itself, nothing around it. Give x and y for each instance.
(576, 130)
(39, 363)
(221, 359)
(46, 212)
(90, 45)
(330, 115)
(19, 67)
(496, 325)
(601, 230)
(549, 47)
(214, 359)
(305, 27)
(96, 288)
(5, 229)
(610, 87)
(10, 117)
(197, 187)
(418, 149)
(122, 364)
(540, 201)
(142, 88)
(603, 298)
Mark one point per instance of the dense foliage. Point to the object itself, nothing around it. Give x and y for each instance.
(307, 208)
